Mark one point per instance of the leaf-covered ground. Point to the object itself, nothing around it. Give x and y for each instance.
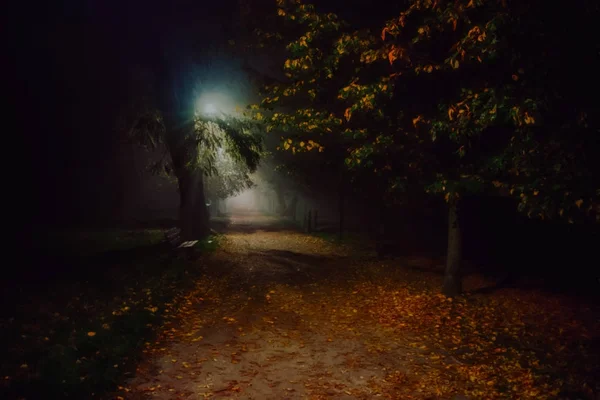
(74, 318)
(285, 315)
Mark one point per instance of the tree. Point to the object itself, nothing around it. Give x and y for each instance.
(231, 177)
(165, 116)
(448, 97)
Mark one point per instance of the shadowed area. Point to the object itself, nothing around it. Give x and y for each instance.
(289, 315)
(302, 199)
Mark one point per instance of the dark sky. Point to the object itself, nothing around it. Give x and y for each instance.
(69, 69)
(69, 63)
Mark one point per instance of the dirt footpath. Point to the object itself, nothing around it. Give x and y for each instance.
(273, 318)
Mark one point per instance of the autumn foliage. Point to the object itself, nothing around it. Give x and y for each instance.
(447, 98)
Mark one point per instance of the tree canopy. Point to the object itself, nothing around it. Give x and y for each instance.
(447, 97)
(164, 116)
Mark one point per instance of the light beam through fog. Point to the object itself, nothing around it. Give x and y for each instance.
(243, 202)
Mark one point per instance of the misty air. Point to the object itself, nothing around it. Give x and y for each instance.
(290, 199)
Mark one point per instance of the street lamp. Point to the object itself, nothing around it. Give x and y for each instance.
(210, 109)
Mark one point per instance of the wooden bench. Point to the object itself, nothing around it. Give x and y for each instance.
(173, 237)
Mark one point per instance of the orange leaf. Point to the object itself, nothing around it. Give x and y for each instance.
(383, 33)
(393, 55)
(348, 114)
(529, 119)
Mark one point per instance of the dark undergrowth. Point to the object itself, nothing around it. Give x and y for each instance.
(77, 332)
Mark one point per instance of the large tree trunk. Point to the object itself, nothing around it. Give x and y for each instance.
(176, 101)
(193, 213)
(452, 278)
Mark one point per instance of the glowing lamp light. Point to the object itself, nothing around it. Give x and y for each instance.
(210, 109)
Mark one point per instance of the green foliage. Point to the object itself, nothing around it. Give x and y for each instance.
(229, 151)
(445, 96)
(226, 141)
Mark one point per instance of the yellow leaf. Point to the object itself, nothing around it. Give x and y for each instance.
(417, 120)
(301, 144)
(579, 203)
(91, 334)
(280, 12)
(529, 119)
(451, 112)
(536, 192)
(455, 64)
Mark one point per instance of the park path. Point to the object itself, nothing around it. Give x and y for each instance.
(275, 316)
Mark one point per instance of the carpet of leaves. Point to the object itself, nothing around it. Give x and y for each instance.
(512, 343)
(506, 344)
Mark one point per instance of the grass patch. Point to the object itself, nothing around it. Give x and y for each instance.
(90, 243)
(79, 339)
